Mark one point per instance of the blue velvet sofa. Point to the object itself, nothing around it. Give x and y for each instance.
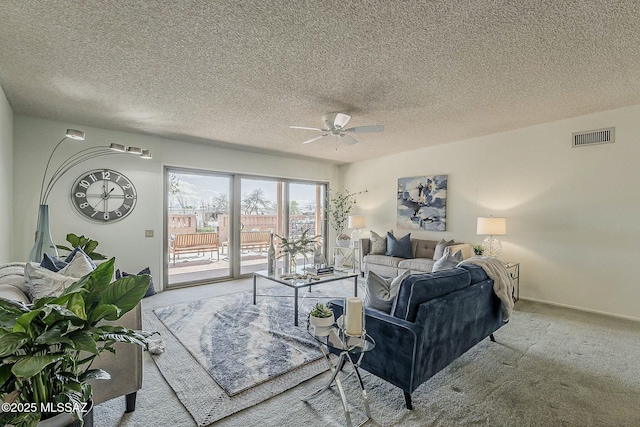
(435, 318)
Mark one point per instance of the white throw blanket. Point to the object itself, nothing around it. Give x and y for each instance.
(502, 281)
(12, 268)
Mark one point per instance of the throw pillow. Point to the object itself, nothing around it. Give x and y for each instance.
(45, 283)
(447, 261)
(400, 248)
(381, 291)
(73, 254)
(151, 290)
(52, 263)
(378, 244)
(78, 267)
(439, 252)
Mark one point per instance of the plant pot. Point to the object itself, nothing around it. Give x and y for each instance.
(343, 240)
(69, 420)
(321, 325)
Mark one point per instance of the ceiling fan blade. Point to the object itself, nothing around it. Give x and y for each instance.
(314, 139)
(307, 128)
(348, 139)
(341, 120)
(362, 129)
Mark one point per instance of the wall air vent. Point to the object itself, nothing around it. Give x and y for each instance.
(593, 137)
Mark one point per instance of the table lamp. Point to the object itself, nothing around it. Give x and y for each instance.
(357, 222)
(492, 227)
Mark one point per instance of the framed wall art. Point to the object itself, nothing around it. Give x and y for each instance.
(422, 203)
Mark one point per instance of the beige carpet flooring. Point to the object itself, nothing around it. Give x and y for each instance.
(550, 367)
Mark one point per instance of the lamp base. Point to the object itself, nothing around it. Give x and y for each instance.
(492, 247)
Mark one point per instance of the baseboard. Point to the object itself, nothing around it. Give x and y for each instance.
(572, 307)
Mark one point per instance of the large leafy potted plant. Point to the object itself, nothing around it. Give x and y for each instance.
(47, 347)
(87, 245)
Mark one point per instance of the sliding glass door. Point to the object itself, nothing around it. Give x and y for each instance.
(196, 242)
(219, 225)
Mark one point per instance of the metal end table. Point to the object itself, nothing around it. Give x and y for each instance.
(350, 350)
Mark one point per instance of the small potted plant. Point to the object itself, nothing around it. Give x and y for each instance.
(292, 247)
(320, 319)
(478, 250)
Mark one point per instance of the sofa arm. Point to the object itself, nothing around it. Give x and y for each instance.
(125, 367)
(397, 341)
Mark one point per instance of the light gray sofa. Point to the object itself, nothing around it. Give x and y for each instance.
(422, 261)
(125, 367)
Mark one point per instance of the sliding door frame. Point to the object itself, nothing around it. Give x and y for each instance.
(235, 213)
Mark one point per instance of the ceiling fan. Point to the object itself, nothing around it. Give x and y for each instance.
(334, 126)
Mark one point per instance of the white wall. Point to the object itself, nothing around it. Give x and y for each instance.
(572, 213)
(6, 177)
(34, 140)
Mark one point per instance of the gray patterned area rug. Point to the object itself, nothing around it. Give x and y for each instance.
(225, 354)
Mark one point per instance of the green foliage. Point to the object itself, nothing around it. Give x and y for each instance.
(47, 347)
(87, 245)
(339, 205)
(478, 249)
(302, 245)
(321, 310)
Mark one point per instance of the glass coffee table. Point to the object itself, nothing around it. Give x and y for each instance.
(302, 281)
(350, 350)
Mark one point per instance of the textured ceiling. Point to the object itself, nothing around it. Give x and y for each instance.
(240, 72)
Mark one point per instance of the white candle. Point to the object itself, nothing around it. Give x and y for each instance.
(354, 316)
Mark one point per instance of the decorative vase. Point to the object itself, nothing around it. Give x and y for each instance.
(293, 264)
(271, 256)
(44, 243)
(343, 240)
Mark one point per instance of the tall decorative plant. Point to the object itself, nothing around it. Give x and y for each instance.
(47, 347)
(339, 206)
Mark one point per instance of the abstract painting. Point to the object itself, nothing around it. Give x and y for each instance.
(422, 203)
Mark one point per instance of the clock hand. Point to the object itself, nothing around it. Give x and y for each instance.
(104, 197)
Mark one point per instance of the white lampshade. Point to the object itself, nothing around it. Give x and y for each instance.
(492, 226)
(357, 221)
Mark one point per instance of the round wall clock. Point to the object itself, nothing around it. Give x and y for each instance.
(103, 195)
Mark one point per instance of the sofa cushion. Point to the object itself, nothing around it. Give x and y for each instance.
(73, 253)
(381, 291)
(382, 260)
(44, 283)
(425, 248)
(400, 248)
(420, 288)
(417, 264)
(439, 251)
(78, 267)
(447, 261)
(476, 272)
(151, 290)
(52, 263)
(378, 244)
